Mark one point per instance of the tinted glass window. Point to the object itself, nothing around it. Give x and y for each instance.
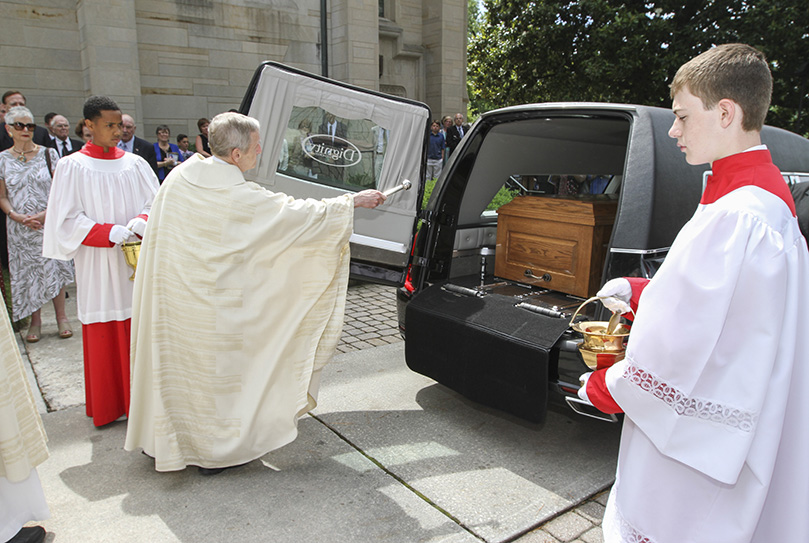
(324, 148)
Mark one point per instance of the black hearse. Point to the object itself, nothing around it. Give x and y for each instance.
(486, 312)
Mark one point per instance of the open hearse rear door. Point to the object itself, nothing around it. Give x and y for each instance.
(321, 138)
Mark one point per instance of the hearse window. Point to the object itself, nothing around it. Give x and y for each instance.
(322, 147)
(568, 184)
(552, 184)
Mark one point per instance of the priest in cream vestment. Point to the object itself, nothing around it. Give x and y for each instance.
(238, 305)
(22, 445)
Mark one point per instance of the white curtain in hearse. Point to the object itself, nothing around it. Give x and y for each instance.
(280, 93)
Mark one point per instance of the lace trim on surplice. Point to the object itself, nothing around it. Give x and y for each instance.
(686, 406)
(628, 532)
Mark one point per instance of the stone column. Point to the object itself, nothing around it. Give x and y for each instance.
(109, 52)
(445, 40)
(354, 42)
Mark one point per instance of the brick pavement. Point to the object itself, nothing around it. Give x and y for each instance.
(370, 317)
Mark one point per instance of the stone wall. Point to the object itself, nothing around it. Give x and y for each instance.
(173, 61)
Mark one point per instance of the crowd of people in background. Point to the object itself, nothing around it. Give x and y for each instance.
(54, 133)
(444, 137)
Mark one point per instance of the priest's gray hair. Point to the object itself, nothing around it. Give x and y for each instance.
(229, 131)
(18, 112)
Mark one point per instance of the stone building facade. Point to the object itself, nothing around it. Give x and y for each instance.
(174, 61)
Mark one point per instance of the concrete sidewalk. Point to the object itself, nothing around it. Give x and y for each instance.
(388, 455)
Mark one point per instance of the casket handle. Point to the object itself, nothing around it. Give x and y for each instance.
(545, 277)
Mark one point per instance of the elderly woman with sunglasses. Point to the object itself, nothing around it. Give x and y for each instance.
(25, 182)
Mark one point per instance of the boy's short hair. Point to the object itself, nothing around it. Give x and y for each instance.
(734, 71)
(96, 104)
(181, 137)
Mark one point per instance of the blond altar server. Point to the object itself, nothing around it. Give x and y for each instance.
(23, 446)
(715, 440)
(238, 305)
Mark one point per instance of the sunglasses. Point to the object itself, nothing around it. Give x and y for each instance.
(21, 126)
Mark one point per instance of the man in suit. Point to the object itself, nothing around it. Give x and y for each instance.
(11, 99)
(133, 144)
(332, 134)
(456, 132)
(332, 127)
(63, 144)
(48, 118)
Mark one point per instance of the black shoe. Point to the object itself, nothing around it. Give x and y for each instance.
(217, 471)
(32, 534)
(210, 471)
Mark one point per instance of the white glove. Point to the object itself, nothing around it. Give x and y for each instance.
(119, 234)
(137, 226)
(615, 295)
(583, 390)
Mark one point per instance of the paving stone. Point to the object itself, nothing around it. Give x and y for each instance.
(537, 536)
(593, 535)
(592, 511)
(568, 526)
(602, 498)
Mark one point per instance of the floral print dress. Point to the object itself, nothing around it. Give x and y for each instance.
(35, 280)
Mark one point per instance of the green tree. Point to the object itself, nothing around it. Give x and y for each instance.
(627, 51)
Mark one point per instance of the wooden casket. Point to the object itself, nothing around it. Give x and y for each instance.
(555, 242)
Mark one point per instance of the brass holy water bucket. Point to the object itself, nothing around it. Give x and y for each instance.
(131, 251)
(601, 347)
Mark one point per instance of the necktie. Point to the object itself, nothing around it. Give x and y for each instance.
(460, 131)
(64, 148)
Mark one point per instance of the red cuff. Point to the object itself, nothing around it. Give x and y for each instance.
(99, 236)
(599, 395)
(637, 284)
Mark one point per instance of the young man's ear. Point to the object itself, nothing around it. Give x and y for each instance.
(728, 112)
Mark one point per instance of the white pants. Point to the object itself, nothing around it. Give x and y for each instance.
(433, 168)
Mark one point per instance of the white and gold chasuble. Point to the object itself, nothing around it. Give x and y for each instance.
(238, 305)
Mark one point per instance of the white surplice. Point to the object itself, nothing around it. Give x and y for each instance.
(714, 385)
(87, 191)
(239, 300)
